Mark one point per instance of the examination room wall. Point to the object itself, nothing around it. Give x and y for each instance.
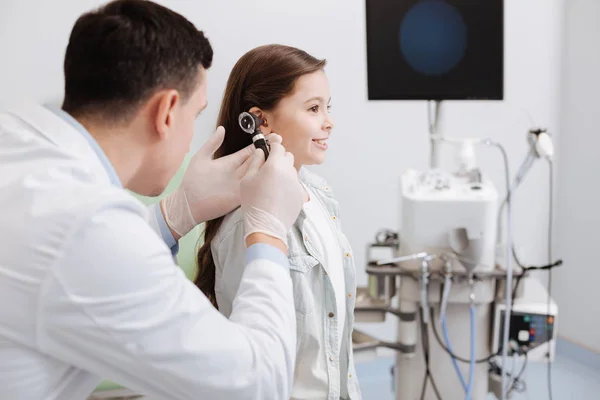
(373, 141)
(577, 234)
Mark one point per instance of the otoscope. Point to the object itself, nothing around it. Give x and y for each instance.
(250, 124)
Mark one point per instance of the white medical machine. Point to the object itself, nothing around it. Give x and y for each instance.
(446, 278)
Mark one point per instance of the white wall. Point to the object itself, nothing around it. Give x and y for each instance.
(373, 141)
(576, 283)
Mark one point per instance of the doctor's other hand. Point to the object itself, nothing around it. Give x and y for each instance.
(210, 187)
(271, 194)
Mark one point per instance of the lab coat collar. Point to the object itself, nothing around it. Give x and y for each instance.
(110, 170)
(68, 134)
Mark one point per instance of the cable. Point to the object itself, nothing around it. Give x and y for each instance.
(557, 263)
(424, 388)
(547, 267)
(450, 353)
(468, 387)
(523, 170)
(551, 265)
(509, 270)
(516, 257)
(472, 363)
(550, 223)
(425, 344)
(519, 385)
(447, 341)
(512, 371)
(516, 288)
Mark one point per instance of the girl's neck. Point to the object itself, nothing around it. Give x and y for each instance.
(306, 194)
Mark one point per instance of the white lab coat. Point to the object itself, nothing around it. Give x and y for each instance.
(89, 291)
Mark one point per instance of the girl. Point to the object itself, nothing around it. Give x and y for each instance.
(288, 88)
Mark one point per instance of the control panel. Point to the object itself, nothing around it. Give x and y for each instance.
(528, 330)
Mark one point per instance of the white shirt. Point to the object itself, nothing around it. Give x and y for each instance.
(318, 226)
(88, 290)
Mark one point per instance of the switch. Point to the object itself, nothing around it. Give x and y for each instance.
(523, 336)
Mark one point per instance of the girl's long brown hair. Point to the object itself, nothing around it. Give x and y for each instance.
(261, 78)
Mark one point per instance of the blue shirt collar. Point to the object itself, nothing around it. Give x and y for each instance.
(110, 170)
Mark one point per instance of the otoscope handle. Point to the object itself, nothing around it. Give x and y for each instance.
(261, 143)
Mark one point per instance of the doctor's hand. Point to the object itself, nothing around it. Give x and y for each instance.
(210, 188)
(271, 194)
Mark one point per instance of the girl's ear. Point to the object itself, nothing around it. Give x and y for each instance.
(265, 128)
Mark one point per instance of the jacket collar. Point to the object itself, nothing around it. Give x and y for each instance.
(315, 182)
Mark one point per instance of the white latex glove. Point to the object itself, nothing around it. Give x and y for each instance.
(210, 188)
(271, 194)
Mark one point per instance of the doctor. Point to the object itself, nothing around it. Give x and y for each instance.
(88, 285)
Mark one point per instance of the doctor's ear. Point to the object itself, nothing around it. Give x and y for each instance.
(164, 117)
(262, 115)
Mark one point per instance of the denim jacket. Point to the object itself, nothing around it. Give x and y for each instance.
(307, 271)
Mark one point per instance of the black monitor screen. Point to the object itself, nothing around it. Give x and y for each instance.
(435, 49)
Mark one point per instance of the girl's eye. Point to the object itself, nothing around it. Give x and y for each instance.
(314, 109)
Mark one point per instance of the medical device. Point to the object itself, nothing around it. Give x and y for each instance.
(532, 325)
(460, 305)
(250, 124)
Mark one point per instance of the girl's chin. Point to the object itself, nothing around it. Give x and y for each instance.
(315, 161)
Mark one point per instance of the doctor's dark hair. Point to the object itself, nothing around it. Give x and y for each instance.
(119, 55)
(261, 78)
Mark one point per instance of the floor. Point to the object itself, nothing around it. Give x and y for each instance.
(575, 376)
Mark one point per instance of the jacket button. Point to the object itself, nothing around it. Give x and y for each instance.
(330, 358)
(331, 315)
(349, 295)
(326, 188)
(347, 254)
(334, 217)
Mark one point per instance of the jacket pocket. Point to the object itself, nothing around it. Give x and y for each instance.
(301, 272)
(302, 262)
